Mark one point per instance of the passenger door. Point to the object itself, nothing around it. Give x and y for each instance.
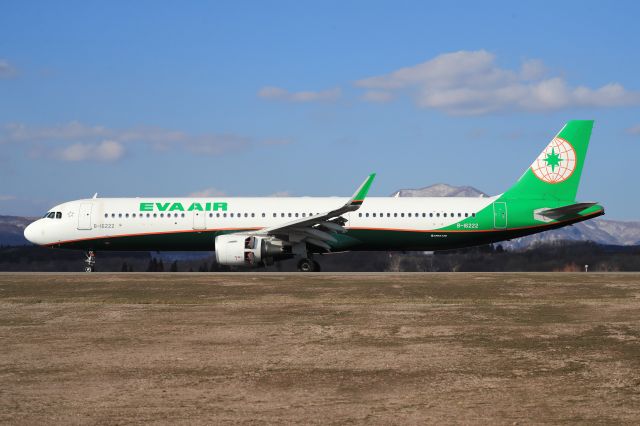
(199, 220)
(500, 215)
(84, 216)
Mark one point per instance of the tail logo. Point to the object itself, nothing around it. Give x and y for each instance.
(556, 163)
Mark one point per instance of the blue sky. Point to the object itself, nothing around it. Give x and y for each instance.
(306, 98)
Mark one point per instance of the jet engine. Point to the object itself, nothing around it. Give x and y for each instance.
(248, 250)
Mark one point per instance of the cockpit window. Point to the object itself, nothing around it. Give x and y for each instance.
(58, 215)
(51, 215)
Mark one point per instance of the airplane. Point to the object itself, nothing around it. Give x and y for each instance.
(253, 232)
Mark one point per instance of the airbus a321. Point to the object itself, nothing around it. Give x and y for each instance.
(251, 232)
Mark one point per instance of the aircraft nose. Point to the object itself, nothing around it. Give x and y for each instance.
(33, 233)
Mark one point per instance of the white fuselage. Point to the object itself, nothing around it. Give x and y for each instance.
(93, 219)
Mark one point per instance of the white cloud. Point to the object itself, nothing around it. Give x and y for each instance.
(635, 130)
(208, 192)
(104, 151)
(7, 70)
(76, 141)
(471, 83)
(377, 96)
(278, 93)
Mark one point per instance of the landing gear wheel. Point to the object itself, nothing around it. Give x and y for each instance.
(90, 261)
(316, 266)
(306, 265)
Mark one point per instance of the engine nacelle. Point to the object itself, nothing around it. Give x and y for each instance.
(246, 250)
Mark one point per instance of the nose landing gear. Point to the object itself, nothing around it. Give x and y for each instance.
(90, 261)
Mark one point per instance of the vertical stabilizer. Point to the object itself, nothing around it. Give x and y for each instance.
(555, 174)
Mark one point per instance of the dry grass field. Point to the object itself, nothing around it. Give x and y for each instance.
(325, 348)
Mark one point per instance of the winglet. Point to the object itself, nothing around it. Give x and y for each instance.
(362, 191)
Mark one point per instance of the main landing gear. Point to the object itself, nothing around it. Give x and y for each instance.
(308, 265)
(90, 261)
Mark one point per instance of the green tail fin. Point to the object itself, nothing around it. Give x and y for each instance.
(555, 174)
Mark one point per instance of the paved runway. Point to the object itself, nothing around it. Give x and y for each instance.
(327, 348)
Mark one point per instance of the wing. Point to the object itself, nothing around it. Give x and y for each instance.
(317, 229)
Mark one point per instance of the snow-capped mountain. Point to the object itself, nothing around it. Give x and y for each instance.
(601, 231)
(440, 190)
(12, 230)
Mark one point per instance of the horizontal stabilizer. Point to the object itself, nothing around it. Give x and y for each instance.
(570, 210)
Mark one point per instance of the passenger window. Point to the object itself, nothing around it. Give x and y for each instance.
(281, 214)
(473, 214)
(430, 214)
(366, 214)
(304, 214)
(424, 215)
(113, 215)
(444, 214)
(161, 214)
(210, 214)
(373, 214)
(388, 214)
(409, 214)
(296, 214)
(289, 214)
(437, 214)
(254, 215)
(275, 214)
(401, 214)
(359, 214)
(230, 214)
(395, 215)
(224, 215)
(133, 215)
(182, 214)
(466, 215)
(106, 215)
(126, 215)
(155, 215)
(148, 215)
